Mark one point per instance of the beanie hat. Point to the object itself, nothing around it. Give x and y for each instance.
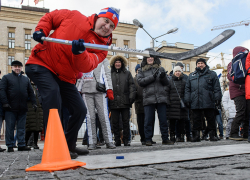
(238, 49)
(16, 63)
(111, 13)
(137, 67)
(201, 60)
(177, 68)
(179, 64)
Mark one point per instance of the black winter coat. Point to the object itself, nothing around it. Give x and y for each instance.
(123, 88)
(34, 120)
(138, 98)
(154, 89)
(175, 111)
(202, 89)
(15, 90)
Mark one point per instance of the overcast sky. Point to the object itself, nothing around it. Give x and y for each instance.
(194, 18)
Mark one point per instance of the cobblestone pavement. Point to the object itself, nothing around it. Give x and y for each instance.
(13, 165)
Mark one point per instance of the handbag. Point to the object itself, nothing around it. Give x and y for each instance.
(181, 101)
(99, 86)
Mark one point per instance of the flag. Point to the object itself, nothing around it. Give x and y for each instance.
(37, 1)
(21, 1)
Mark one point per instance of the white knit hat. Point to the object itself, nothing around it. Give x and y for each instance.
(177, 68)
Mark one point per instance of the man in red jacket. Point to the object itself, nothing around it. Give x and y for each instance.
(54, 67)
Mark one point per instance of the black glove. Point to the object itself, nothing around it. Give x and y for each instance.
(6, 107)
(187, 105)
(37, 35)
(217, 103)
(162, 74)
(35, 107)
(78, 46)
(156, 73)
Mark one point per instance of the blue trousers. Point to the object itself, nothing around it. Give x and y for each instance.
(11, 118)
(220, 124)
(149, 120)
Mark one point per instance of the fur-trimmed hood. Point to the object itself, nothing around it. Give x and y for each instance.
(121, 58)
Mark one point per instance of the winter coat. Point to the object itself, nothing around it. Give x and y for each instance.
(247, 81)
(228, 105)
(123, 85)
(175, 111)
(138, 98)
(202, 89)
(58, 58)
(15, 91)
(34, 120)
(101, 74)
(235, 90)
(154, 89)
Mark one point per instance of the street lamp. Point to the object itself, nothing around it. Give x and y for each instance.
(140, 25)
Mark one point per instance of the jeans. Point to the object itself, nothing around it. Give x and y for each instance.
(228, 127)
(11, 118)
(220, 124)
(1, 122)
(150, 117)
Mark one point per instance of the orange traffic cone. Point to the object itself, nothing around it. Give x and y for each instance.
(55, 153)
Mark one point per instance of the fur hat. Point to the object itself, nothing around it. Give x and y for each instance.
(177, 68)
(16, 63)
(201, 60)
(111, 13)
(137, 67)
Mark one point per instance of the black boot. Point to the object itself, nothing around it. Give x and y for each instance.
(172, 137)
(212, 136)
(126, 142)
(196, 136)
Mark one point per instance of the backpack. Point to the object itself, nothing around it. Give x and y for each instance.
(238, 71)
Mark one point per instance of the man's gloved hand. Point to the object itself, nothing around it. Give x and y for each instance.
(217, 103)
(37, 35)
(110, 94)
(6, 107)
(162, 74)
(156, 73)
(34, 107)
(78, 46)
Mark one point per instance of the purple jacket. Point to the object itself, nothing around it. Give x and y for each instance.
(235, 90)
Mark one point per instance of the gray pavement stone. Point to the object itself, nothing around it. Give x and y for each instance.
(230, 167)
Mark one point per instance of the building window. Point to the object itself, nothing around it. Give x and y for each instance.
(26, 59)
(126, 46)
(11, 40)
(10, 60)
(184, 67)
(27, 43)
(173, 65)
(188, 69)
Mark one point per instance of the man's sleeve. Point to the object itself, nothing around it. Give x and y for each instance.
(31, 93)
(51, 21)
(3, 90)
(107, 74)
(217, 88)
(132, 88)
(187, 94)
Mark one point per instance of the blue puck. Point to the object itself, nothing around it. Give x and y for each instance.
(119, 157)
